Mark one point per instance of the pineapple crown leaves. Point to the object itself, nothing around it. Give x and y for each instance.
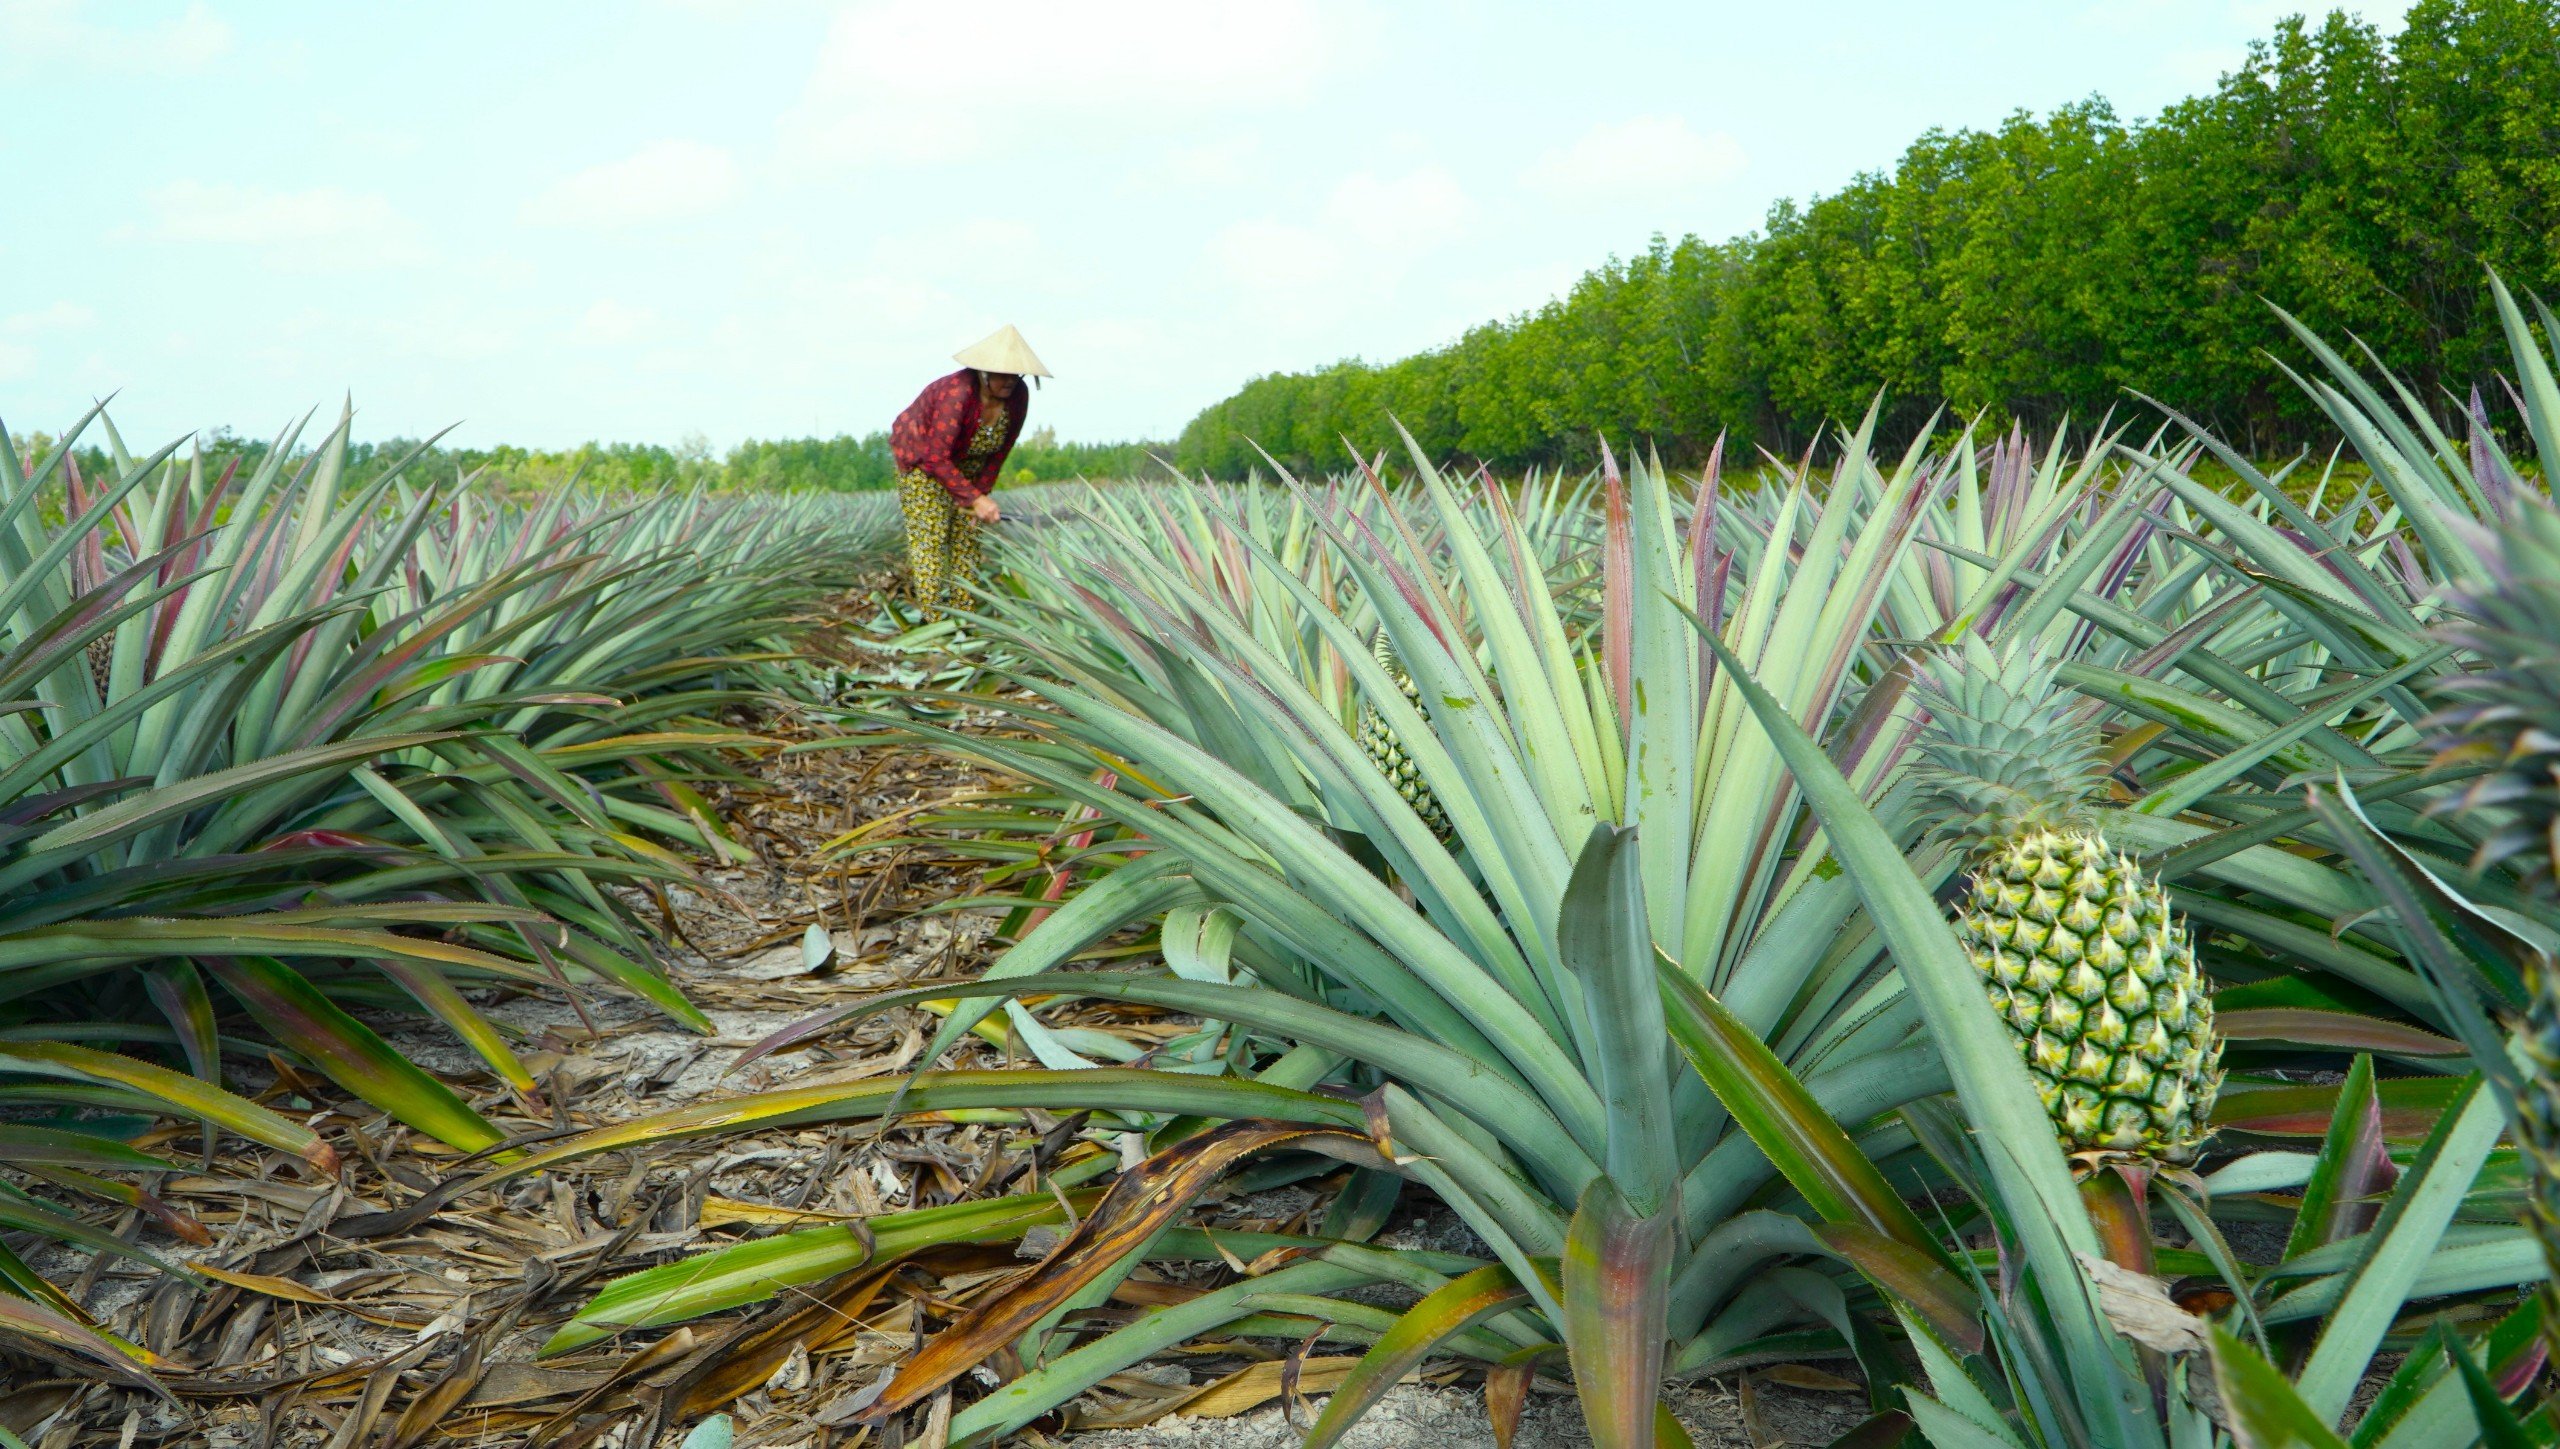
(2506, 711)
(1384, 651)
(2001, 755)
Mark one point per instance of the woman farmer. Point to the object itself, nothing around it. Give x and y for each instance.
(950, 445)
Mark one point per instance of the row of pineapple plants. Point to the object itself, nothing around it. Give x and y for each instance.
(1772, 912)
(283, 756)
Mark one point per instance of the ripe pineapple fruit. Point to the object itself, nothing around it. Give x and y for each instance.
(2076, 945)
(2508, 713)
(1387, 752)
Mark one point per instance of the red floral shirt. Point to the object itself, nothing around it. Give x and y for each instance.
(933, 435)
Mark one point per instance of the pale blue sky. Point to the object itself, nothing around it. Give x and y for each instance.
(558, 221)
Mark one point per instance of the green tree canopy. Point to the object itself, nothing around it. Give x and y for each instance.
(2050, 267)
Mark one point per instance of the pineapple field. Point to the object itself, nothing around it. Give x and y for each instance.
(1999, 942)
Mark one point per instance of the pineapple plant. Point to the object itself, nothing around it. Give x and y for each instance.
(2079, 952)
(1387, 752)
(2506, 713)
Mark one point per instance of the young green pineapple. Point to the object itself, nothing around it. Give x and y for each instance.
(2076, 945)
(2509, 716)
(1387, 752)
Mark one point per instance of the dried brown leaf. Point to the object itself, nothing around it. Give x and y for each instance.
(2141, 1309)
(1144, 1200)
(1804, 1376)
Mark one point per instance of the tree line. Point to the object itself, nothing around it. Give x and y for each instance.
(2053, 267)
(843, 463)
(864, 462)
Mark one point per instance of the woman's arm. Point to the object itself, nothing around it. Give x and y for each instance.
(927, 438)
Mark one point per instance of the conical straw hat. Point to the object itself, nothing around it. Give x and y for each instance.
(1002, 351)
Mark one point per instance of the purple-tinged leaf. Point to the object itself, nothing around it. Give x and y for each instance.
(295, 1013)
(1616, 1278)
(2354, 1170)
(2344, 1030)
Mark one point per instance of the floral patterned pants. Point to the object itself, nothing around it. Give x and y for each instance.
(942, 542)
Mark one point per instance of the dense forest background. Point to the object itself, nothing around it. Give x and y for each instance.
(2044, 269)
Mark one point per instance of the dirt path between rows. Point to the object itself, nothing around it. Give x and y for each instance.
(341, 1325)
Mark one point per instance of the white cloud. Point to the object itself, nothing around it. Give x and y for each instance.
(928, 80)
(58, 317)
(882, 299)
(1650, 156)
(615, 324)
(52, 33)
(1111, 346)
(339, 345)
(931, 289)
(659, 182)
(1401, 215)
(981, 252)
(1277, 259)
(1185, 170)
(1366, 236)
(323, 227)
(21, 332)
